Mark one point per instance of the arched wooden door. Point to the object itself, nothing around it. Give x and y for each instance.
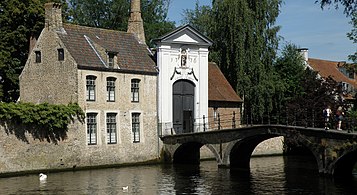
(183, 106)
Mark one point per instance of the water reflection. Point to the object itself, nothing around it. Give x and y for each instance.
(271, 175)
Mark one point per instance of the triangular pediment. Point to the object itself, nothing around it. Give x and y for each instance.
(185, 35)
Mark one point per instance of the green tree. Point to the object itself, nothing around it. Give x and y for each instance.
(154, 14)
(114, 14)
(353, 37)
(111, 14)
(290, 68)
(245, 45)
(199, 18)
(350, 6)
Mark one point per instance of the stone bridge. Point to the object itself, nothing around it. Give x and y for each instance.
(335, 151)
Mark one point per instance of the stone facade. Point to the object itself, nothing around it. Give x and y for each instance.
(225, 117)
(57, 72)
(49, 80)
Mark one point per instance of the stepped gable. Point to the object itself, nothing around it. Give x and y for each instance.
(81, 41)
(219, 88)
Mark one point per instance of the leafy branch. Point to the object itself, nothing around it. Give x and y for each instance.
(42, 121)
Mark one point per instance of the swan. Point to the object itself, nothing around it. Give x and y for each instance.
(125, 188)
(43, 177)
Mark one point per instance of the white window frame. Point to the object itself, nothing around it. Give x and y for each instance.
(136, 127)
(135, 88)
(92, 137)
(111, 139)
(111, 81)
(91, 87)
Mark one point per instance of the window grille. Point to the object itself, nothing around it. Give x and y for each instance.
(111, 128)
(111, 89)
(90, 80)
(135, 90)
(136, 127)
(91, 128)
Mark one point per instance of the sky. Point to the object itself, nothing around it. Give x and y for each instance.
(303, 23)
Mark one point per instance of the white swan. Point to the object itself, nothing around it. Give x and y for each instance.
(125, 188)
(43, 177)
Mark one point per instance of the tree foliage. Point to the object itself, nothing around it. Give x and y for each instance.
(114, 14)
(42, 121)
(199, 18)
(350, 6)
(290, 68)
(353, 37)
(245, 45)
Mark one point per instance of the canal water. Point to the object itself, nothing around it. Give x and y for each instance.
(268, 175)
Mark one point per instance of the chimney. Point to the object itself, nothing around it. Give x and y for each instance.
(53, 16)
(32, 43)
(304, 52)
(136, 24)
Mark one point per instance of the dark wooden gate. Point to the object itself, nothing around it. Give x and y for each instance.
(183, 106)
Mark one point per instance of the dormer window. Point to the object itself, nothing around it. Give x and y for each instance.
(111, 59)
(60, 52)
(38, 56)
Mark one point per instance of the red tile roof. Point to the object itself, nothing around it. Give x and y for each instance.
(330, 68)
(218, 87)
(132, 56)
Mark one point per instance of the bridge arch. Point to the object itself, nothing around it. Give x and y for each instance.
(189, 153)
(239, 152)
(344, 165)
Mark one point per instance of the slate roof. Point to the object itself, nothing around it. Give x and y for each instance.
(132, 56)
(219, 88)
(330, 68)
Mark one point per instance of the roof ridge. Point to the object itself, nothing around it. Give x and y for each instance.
(96, 28)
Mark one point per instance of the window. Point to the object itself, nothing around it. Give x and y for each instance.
(110, 89)
(135, 90)
(135, 117)
(38, 56)
(91, 128)
(215, 112)
(60, 54)
(111, 128)
(351, 74)
(90, 80)
(111, 60)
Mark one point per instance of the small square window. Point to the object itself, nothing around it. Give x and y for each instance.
(60, 54)
(38, 56)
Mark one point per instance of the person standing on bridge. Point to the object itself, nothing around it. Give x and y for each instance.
(339, 117)
(327, 113)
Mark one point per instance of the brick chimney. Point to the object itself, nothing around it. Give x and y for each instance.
(53, 16)
(136, 24)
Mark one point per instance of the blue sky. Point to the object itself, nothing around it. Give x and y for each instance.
(303, 23)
